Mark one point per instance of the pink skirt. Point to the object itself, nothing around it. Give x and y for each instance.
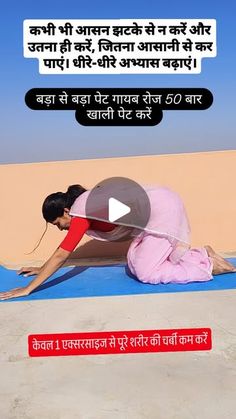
(149, 259)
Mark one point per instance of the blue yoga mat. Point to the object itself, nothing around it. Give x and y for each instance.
(98, 281)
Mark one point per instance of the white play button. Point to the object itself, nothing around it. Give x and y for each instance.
(121, 201)
(117, 209)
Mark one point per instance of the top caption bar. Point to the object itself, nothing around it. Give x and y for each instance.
(127, 46)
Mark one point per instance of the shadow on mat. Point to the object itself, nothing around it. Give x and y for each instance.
(68, 275)
(75, 271)
(129, 273)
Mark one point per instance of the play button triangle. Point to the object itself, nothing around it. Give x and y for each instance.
(116, 209)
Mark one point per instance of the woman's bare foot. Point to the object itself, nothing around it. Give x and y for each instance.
(220, 265)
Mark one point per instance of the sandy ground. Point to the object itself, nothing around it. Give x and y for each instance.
(184, 385)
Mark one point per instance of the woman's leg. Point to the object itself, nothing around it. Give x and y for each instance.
(148, 260)
(220, 265)
(145, 256)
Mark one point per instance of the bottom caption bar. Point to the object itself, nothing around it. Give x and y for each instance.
(120, 342)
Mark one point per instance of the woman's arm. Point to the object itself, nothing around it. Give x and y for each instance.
(30, 270)
(78, 228)
(49, 268)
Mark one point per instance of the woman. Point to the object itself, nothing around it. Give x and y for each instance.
(160, 253)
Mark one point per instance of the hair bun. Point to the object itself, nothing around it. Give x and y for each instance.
(73, 192)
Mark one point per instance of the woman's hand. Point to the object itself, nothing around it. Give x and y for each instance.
(14, 293)
(29, 271)
(43, 273)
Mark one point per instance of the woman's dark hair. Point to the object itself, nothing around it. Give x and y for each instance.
(55, 203)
